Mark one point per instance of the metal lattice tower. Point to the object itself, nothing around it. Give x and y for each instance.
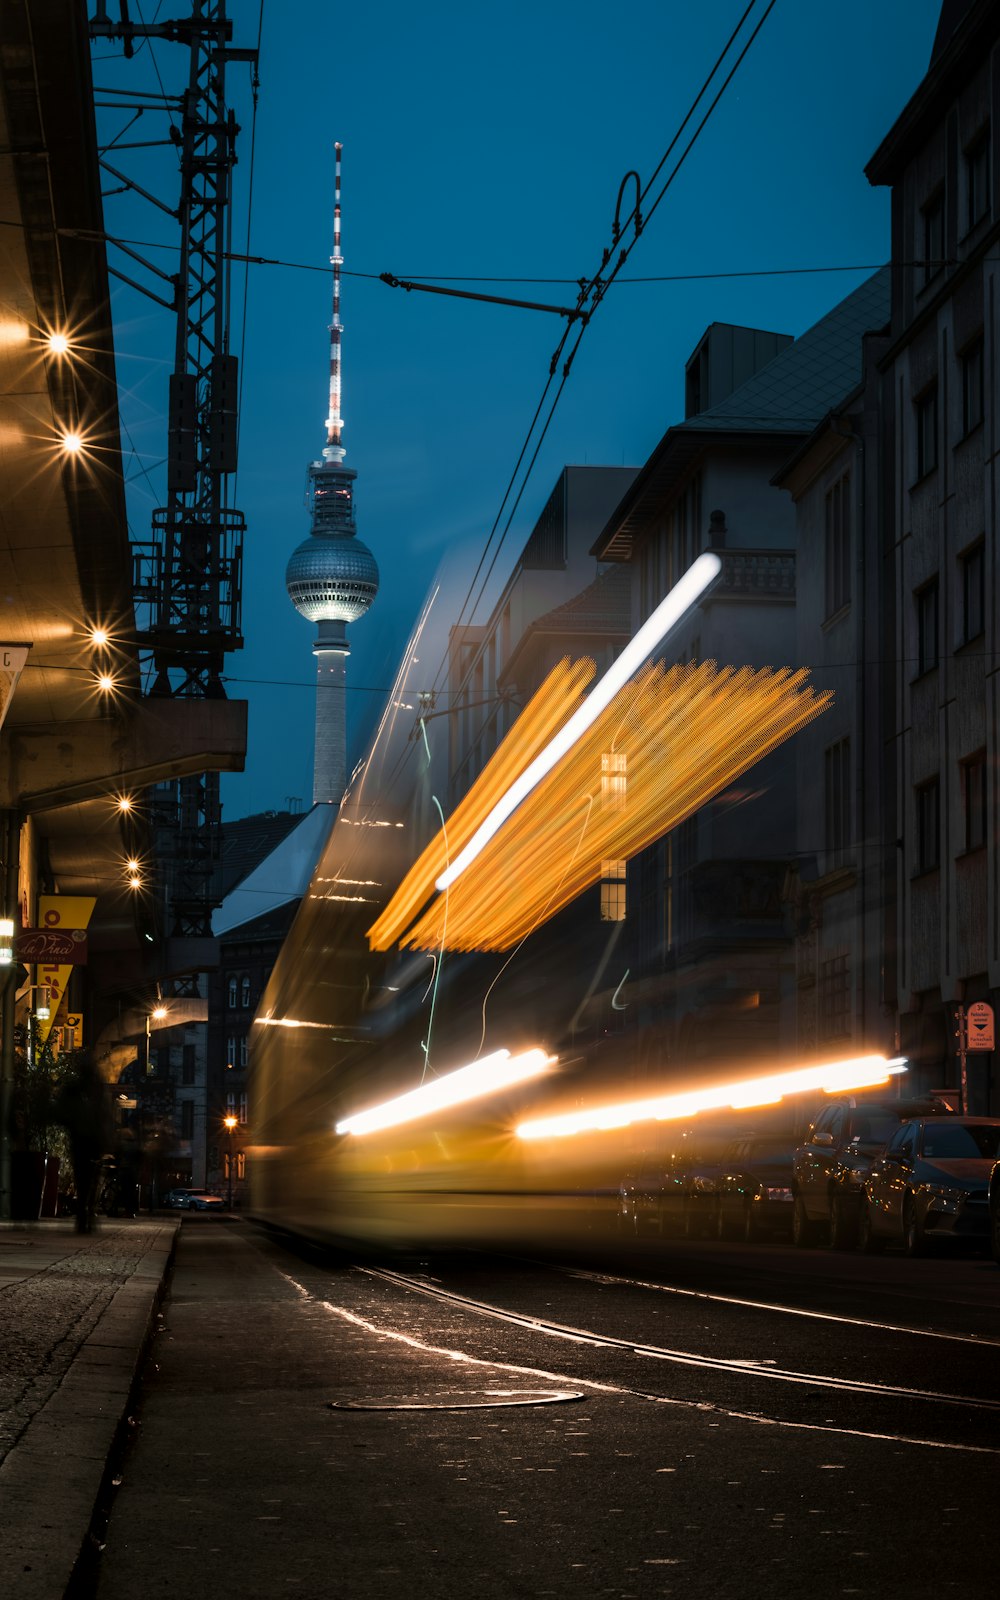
(188, 576)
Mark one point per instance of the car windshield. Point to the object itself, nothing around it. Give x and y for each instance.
(963, 1141)
(873, 1127)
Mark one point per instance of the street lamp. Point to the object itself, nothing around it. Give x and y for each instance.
(158, 1013)
(230, 1123)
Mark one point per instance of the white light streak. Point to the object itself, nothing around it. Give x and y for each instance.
(498, 1071)
(832, 1077)
(681, 598)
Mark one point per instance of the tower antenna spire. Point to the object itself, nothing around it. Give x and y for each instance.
(334, 450)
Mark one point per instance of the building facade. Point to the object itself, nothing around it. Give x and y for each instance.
(936, 520)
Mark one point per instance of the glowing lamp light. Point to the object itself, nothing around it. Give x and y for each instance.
(134, 881)
(58, 344)
(832, 1077)
(124, 803)
(159, 1012)
(98, 637)
(6, 941)
(72, 443)
(672, 607)
(229, 1122)
(131, 864)
(105, 682)
(498, 1071)
(42, 1011)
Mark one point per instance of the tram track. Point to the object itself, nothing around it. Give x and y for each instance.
(687, 1358)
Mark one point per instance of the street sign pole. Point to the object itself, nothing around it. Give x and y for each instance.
(963, 1061)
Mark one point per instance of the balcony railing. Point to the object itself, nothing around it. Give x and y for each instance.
(756, 575)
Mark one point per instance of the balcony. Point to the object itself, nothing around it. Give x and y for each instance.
(756, 575)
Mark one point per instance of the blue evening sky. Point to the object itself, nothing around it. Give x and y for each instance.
(491, 142)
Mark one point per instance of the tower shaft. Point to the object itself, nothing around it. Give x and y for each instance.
(330, 753)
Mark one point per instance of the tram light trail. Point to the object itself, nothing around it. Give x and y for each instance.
(669, 740)
(684, 594)
(832, 1077)
(494, 1072)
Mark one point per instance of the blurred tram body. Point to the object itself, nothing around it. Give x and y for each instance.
(341, 1028)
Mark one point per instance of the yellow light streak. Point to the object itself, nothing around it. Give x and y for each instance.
(667, 614)
(831, 1077)
(547, 711)
(479, 1078)
(687, 731)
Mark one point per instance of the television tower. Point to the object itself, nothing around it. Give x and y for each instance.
(332, 577)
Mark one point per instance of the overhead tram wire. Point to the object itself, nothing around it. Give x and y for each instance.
(587, 288)
(596, 287)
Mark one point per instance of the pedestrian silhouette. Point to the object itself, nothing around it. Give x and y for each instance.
(84, 1109)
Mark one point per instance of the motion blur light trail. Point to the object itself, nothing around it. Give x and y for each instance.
(837, 1077)
(668, 741)
(497, 1071)
(654, 630)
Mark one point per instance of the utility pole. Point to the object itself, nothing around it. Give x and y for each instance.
(961, 1034)
(188, 575)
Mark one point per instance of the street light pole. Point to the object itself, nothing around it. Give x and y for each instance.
(230, 1123)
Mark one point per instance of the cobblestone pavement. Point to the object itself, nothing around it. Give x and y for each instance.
(54, 1287)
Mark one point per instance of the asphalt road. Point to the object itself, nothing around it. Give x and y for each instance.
(693, 1419)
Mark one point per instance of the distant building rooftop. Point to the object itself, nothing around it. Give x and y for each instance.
(789, 396)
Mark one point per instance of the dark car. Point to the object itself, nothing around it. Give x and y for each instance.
(831, 1168)
(194, 1200)
(931, 1183)
(754, 1187)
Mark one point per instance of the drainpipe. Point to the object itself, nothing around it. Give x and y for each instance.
(11, 843)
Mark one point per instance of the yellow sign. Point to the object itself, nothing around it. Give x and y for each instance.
(12, 660)
(59, 911)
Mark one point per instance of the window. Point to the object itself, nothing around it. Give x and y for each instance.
(977, 180)
(973, 592)
(231, 1103)
(972, 386)
(925, 424)
(927, 626)
(614, 779)
(932, 236)
(244, 991)
(612, 891)
(163, 1061)
(243, 1108)
(244, 1051)
(838, 802)
(187, 1069)
(835, 999)
(838, 546)
(974, 800)
(187, 1119)
(241, 1164)
(231, 989)
(231, 1051)
(928, 818)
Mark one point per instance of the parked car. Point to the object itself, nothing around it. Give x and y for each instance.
(994, 1208)
(754, 1187)
(931, 1183)
(830, 1169)
(194, 1200)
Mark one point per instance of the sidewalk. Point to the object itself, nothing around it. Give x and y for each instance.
(76, 1312)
